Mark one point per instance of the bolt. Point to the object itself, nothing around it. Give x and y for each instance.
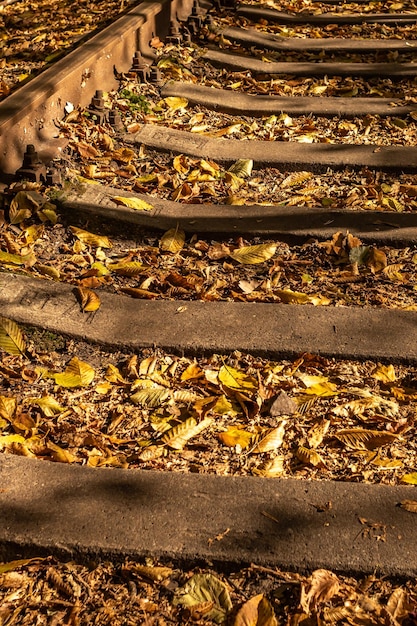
(115, 120)
(174, 33)
(139, 67)
(32, 168)
(97, 101)
(155, 76)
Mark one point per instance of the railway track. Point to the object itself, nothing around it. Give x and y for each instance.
(217, 98)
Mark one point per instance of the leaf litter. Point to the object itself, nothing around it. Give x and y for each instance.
(37, 590)
(33, 37)
(341, 271)
(235, 414)
(311, 417)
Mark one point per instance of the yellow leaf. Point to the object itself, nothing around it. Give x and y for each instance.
(103, 388)
(295, 179)
(13, 259)
(224, 406)
(156, 574)
(59, 454)
(33, 233)
(385, 463)
(256, 612)
(317, 433)
(7, 407)
(77, 374)
(236, 437)
(48, 270)
(178, 436)
(173, 240)
(236, 379)
(113, 375)
(410, 479)
(152, 397)
(133, 203)
(180, 164)
(251, 255)
(88, 299)
(174, 103)
(292, 297)
(192, 371)
(271, 440)
(271, 468)
(123, 155)
(96, 241)
(48, 405)
(100, 269)
(12, 565)
(7, 440)
(309, 457)
(317, 385)
(363, 439)
(21, 207)
(242, 168)
(11, 337)
(131, 268)
(384, 373)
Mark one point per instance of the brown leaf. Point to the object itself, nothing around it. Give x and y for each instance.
(88, 299)
(409, 505)
(321, 587)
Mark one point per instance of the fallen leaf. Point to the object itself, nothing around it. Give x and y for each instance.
(256, 612)
(410, 479)
(178, 436)
(409, 505)
(11, 337)
(152, 397)
(384, 373)
(236, 379)
(48, 405)
(251, 255)
(363, 439)
(173, 240)
(88, 299)
(283, 405)
(201, 589)
(309, 457)
(96, 241)
(242, 168)
(270, 440)
(271, 468)
(320, 588)
(77, 374)
(133, 203)
(236, 437)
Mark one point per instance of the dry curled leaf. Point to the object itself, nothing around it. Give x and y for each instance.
(409, 505)
(363, 439)
(319, 588)
(270, 440)
(88, 299)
